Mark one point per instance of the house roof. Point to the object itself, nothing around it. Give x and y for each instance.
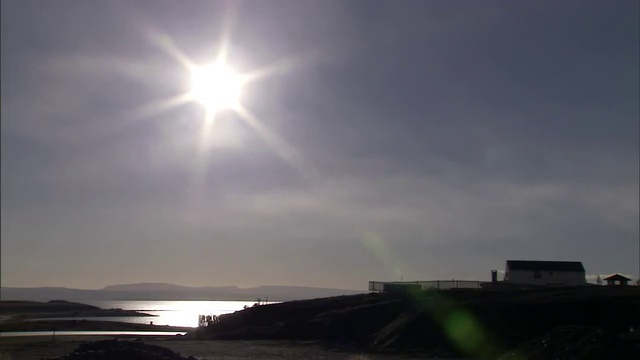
(617, 277)
(573, 266)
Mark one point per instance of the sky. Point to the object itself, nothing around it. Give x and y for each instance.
(383, 140)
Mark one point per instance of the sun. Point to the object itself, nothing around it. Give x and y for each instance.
(217, 86)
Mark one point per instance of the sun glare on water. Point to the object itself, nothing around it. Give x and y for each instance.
(217, 87)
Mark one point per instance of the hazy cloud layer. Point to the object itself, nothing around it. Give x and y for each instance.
(423, 140)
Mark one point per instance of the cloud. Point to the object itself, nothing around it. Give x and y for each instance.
(504, 219)
(441, 147)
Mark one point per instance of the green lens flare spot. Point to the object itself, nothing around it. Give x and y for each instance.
(464, 331)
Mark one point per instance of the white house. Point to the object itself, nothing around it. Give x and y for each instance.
(568, 273)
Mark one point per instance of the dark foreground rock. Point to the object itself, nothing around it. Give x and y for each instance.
(121, 350)
(577, 343)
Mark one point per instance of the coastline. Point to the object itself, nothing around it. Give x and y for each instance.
(21, 315)
(23, 310)
(84, 325)
(488, 323)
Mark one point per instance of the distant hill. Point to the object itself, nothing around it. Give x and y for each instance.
(163, 291)
(160, 287)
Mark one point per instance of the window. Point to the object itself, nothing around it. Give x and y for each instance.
(537, 275)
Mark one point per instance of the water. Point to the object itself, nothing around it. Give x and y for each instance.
(173, 313)
(84, 333)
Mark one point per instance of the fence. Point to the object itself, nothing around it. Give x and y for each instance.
(207, 320)
(379, 286)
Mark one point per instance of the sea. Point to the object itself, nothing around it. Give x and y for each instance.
(173, 313)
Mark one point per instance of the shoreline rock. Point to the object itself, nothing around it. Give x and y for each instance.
(122, 350)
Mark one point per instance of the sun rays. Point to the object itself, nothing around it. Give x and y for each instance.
(218, 87)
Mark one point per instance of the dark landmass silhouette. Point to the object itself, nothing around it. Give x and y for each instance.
(123, 350)
(581, 323)
(483, 323)
(17, 316)
(83, 325)
(163, 291)
(34, 307)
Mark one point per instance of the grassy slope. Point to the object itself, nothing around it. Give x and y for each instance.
(474, 322)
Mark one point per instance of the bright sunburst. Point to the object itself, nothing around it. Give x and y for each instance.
(217, 86)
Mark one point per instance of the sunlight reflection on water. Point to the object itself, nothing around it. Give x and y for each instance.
(173, 313)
